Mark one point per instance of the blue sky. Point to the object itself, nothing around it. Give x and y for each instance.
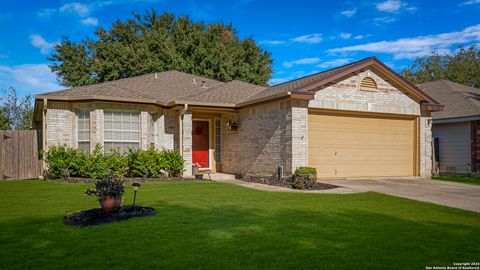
(304, 36)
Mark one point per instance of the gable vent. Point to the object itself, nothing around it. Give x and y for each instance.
(368, 84)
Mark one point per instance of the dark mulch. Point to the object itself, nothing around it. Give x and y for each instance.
(127, 179)
(273, 181)
(97, 216)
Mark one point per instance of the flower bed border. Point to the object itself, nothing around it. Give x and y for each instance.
(273, 181)
(97, 216)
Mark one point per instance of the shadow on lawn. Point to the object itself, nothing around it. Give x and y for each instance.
(238, 238)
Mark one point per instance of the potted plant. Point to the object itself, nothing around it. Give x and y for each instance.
(109, 192)
(196, 171)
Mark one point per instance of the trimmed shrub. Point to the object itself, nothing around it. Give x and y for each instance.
(303, 178)
(306, 170)
(173, 162)
(63, 161)
(145, 163)
(100, 165)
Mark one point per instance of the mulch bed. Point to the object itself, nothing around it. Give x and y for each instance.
(97, 216)
(158, 179)
(273, 181)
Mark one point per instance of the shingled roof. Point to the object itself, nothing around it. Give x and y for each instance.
(173, 87)
(459, 100)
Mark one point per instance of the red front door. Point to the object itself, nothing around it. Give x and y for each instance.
(200, 143)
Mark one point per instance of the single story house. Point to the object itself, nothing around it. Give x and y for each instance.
(456, 130)
(357, 120)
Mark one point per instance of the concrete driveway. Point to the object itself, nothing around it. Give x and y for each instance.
(451, 194)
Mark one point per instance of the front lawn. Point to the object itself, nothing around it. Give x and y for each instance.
(221, 226)
(459, 179)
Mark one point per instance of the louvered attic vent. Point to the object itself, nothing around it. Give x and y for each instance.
(368, 84)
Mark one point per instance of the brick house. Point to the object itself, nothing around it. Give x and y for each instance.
(456, 129)
(357, 120)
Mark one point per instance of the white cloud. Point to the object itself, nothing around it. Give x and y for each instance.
(334, 63)
(471, 2)
(394, 6)
(383, 20)
(272, 42)
(274, 81)
(406, 48)
(358, 37)
(311, 38)
(302, 61)
(75, 7)
(345, 35)
(39, 42)
(390, 5)
(28, 78)
(349, 13)
(90, 21)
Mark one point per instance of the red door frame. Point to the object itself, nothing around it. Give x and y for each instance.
(201, 145)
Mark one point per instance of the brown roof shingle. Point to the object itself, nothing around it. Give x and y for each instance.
(459, 100)
(174, 87)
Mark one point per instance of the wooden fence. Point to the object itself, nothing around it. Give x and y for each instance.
(19, 154)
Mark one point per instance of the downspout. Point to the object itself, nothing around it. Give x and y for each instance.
(180, 128)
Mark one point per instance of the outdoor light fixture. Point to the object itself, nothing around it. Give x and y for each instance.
(136, 186)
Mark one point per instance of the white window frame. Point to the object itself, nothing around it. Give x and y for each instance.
(121, 129)
(79, 116)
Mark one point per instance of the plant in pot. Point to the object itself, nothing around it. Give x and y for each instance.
(109, 192)
(196, 171)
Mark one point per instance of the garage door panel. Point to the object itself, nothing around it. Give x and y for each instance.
(355, 146)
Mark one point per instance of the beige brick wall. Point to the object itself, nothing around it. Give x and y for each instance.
(346, 95)
(425, 146)
(61, 123)
(262, 142)
(187, 142)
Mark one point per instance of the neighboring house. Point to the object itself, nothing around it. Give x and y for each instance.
(358, 120)
(456, 129)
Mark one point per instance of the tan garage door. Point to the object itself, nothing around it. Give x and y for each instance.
(346, 145)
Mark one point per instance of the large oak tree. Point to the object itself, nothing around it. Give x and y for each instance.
(153, 42)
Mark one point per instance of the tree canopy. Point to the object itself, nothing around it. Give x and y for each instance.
(15, 112)
(153, 42)
(462, 66)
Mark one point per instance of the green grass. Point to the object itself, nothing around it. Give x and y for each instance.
(221, 226)
(459, 179)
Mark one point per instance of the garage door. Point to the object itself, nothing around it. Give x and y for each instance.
(346, 145)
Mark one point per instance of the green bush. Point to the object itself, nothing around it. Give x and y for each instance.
(173, 162)
(145, 163)
(63, 161)
(303, 178)
(100, 165)
(306, 170)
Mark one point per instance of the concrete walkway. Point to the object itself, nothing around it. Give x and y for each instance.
(463, 196)
(457, 195)
(339, 190)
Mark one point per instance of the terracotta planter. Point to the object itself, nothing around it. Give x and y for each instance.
(111, 204)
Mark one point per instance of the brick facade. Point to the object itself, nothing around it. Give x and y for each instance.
(269, 135)
(262, 142)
